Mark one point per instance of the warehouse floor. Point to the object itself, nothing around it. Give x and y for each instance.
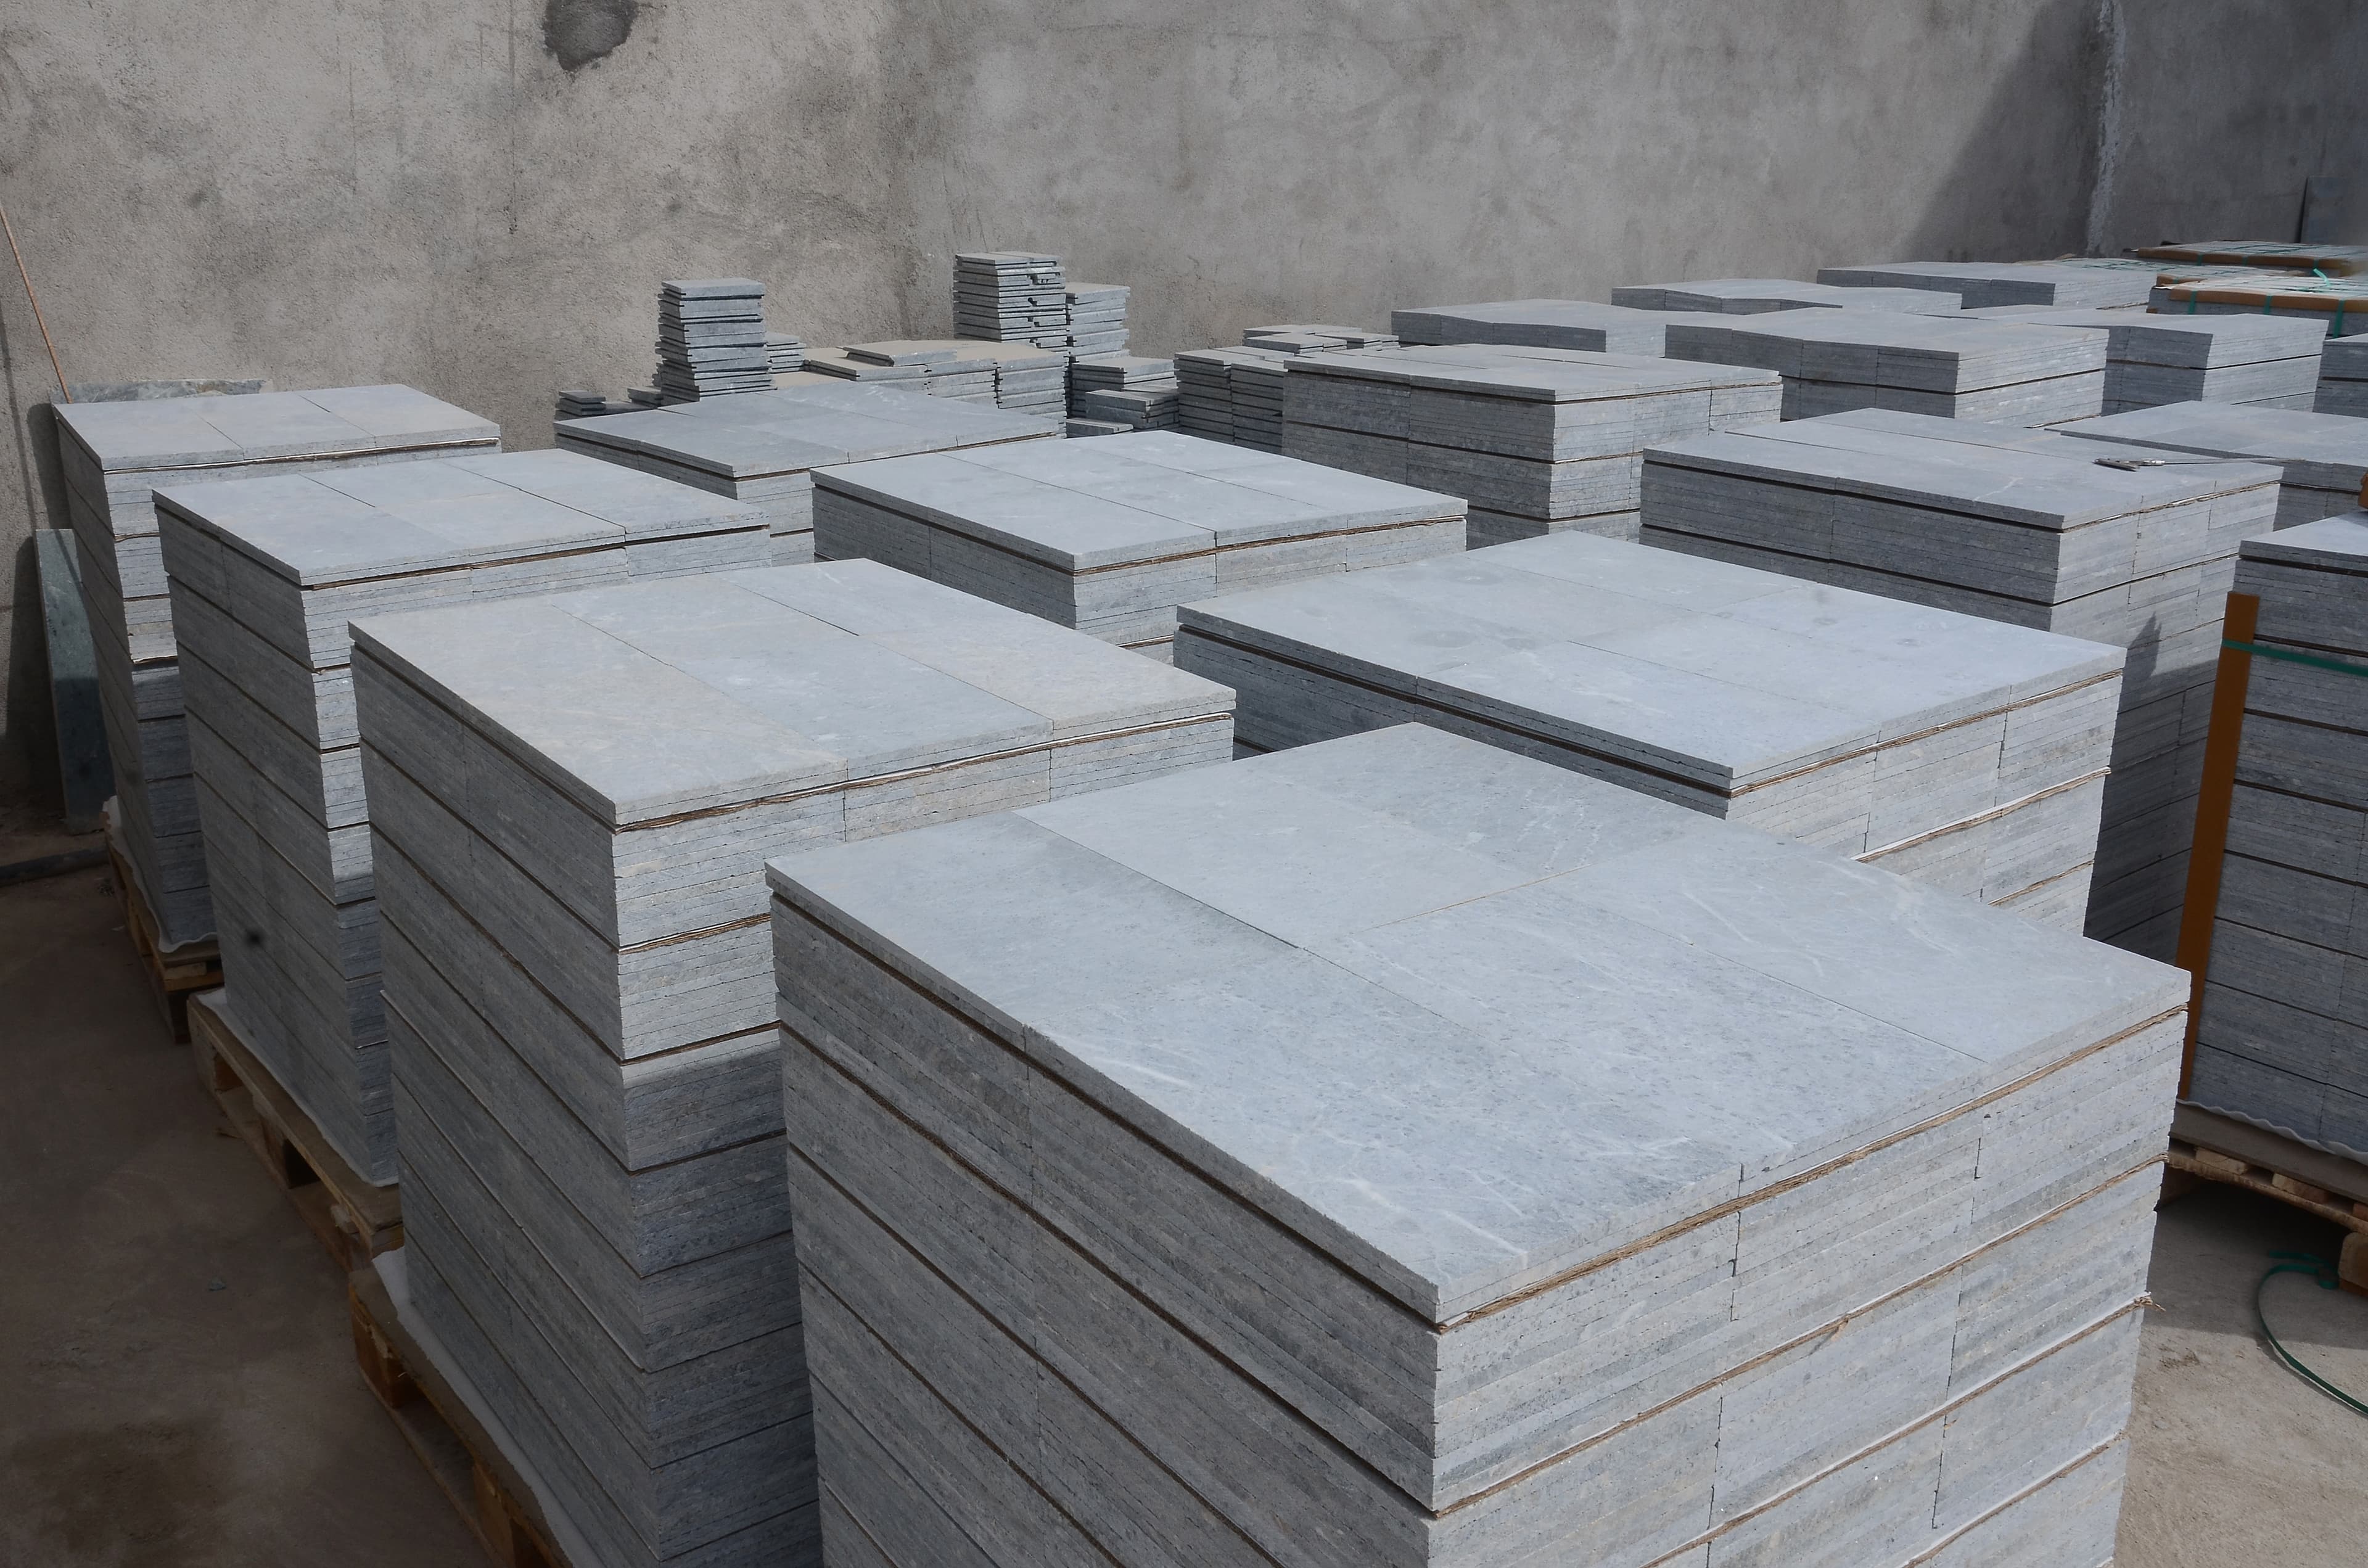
(178, 1386)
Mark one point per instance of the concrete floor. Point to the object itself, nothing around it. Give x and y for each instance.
(177, 1388)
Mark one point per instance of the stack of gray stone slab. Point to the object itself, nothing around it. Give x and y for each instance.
(1945, 747)
(1110, 538)
(112, 457)
(1205, 399)
(1253, 386)
(2283, 1036)
(712, 338)
(946, 367)
(2026, 526)
(264, 575)
(572, 800)
(1125, 389)
(1310, 337)
(1759, 296)
(1011, 297)
(1028, 380)
(1956, 368)
(1547, 324)
(2340, 306)
(1984, 283)
(579, 403)
(2153, 359)
(1538, 440)
(785, 355)
(2324, 457)
(1097, 317)
(1396, 1151)
(2344, 378)
(764, 447)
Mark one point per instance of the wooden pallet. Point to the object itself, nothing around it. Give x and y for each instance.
(461, 1455)
(354, 1218)
(2205, 1147)
(173, 977)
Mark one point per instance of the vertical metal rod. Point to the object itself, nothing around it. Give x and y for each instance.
(35, 300)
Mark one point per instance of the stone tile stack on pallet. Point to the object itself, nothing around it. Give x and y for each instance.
(1011, 297)
(112, 456)
(1097, 317)
(1955, 368)
(572, 800)
(764, 447)
(2344, 378)
(1981, 284)
(2340, 306)
(2323, 457)
(2153, 359)
(1538, 440)
(2023, 526)
(1759, 296)
(1221, 1170)
(264, 575)
(1547, 324)
(2323, 260)
(1947, 748)
(712, 338)
(2282, 1039)
(1109, 539)
(1028, 380)
(1125, 389)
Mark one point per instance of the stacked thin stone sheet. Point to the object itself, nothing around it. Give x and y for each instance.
(1547, 324)
(2326, 260)
(578, 402)
(1945, 747)
(1314, 337)
(1538, 440)
(572, 800)
(785, 355)
(1759, 296)
(111, 456)
(1955, 368)
(938, 366)
(1255, 378)
(1205, 399)
(1980, 284)
(1097, 317)
(2323, 457)
(765, 447)
(2021, 525)
(1396, 1152)
(1110, 538)
(2340, 306)
(264, 575)
(1028, 380)
(1011, 297)
(1125, 389)
(712, 338)
(2283, 1036)
(2152, 359)
(2344, 378)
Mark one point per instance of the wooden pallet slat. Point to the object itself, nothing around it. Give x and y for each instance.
(2206, 1148)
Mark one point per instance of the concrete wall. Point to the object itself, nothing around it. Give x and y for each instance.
(478, 197)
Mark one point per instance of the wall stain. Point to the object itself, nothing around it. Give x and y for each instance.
(584, 32)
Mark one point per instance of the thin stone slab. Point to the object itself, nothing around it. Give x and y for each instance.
(1981, 284)
(1544, 324)
(1757, 296)
(2323, 457)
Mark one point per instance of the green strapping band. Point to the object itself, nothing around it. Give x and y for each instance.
(2341, 666)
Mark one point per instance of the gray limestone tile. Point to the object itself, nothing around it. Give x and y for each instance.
(1983, 284)
(2317, 450)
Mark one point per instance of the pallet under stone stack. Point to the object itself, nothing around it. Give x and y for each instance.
(1186, 1237)
(579, 979)
(2323, 457)
(1011, 297)
(1952, 367)
(1538, 440)
(1125, 389)
(712, 338)
(1097, 317)
(264, 575)
(1761, 296)
(764, 447)
(2340, 306)
(2154, 359)
(1547, 324)
(112, 456)
(2282, 1039)
(1109, 539)
(2023, 526)
(1944, 747)
(2344, 378)
(1981, 284)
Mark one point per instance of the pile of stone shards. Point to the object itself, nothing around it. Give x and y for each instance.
(764, 447)
(1538, 440)
(1110, 538)
(265, 572)
(2282, 1040)
(1954, 367)
(1396, 1153)
(579, 979)
(2323, 457)
(2027, 527)
(112, 457)
(1945, 747)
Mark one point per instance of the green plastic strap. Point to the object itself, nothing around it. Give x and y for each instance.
(2341, 666)
(2323, 1272)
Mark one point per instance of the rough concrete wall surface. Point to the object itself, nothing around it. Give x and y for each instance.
(479, 196)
